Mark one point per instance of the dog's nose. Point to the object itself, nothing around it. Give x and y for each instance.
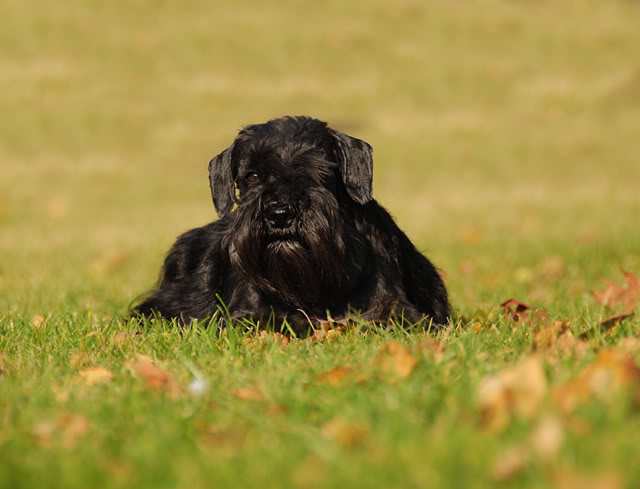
(280, 215)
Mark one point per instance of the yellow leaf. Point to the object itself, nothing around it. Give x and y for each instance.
(345, 433)
(334, 376)
(396, 360)
(154, 377)
(518, 390)
(509, 463)
(37, 320)
(79, 359)
(248, 394)
(96, 375)
(547, 438)
(612, 370)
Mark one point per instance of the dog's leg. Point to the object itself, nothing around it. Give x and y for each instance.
(194, 273)
(424, 286)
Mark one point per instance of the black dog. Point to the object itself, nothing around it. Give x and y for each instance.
(305, 240)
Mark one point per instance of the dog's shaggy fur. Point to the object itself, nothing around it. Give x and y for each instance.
(306, 238)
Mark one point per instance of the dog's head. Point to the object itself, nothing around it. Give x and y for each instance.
(292, 180)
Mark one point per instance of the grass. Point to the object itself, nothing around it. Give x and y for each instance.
(505, 138)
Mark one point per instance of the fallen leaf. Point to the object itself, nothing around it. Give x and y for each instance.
(72, 427)
(277, 409)
(516, 391)
(220, 437)
(1, 362)
(248, 394)
(547, 337)
(611, 321)
(345, 433)
(509, 463)
(334, 376)
(396, 360)
(154, 377)
(612, 370)
(79, 359)
(37, 320)
(140, 357)
(44, 431)
(546, 438)
(517, 310)
(558, 339)
(614, 295)
(630, 344)
(265, 337)
(96, 375)
(432, 348)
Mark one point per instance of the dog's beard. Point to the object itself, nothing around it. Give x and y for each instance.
(301, 267)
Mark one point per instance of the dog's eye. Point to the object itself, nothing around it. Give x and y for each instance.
(252, 177)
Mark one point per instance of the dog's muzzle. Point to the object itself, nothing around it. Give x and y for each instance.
(279, 215)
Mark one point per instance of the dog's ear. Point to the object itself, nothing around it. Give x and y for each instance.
(355, 158)
(221, 181)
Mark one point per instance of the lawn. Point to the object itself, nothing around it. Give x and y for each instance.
(506, 145)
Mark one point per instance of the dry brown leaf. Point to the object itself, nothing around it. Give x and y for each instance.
(517, 311)
(72, 427)
(630, 344)
(266, 337)
(154, 377)
(518, 390)
(44, 431)
(248, 394)
(277, 409)
(317, 335)
(96, 375)
(37, 320)
(220, 437)
(547, 337)
(396, 360)
(612, 370)
(546, 438)
(557, 339)
(611, 321)
(431, 347)
(141, 357)
(1, 362)
(334, 376)
(345, 433)
(328, 330)
(79, 359)
(614, 295)
(509, 463)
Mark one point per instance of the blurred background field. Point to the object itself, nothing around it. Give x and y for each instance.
(506, 139)
(505, 133)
